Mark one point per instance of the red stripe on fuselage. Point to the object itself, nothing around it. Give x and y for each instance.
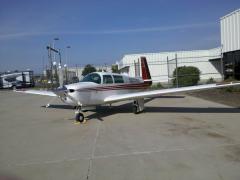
(117, 87)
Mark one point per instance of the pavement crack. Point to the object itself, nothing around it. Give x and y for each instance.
(93, 151)
(165, 150)
(47, 162)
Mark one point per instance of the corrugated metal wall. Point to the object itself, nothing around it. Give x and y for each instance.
(230, 31)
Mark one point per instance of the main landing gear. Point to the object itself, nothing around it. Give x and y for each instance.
(79, 117)
(138, 105)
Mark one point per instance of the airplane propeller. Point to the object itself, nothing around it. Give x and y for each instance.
(60, 92)
(63, 93)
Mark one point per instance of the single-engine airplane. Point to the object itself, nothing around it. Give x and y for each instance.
(100, 88)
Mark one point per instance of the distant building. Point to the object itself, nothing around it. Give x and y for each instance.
(230, 40)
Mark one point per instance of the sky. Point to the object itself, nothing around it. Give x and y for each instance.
(102, 31)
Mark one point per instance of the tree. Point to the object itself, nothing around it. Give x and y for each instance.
(88, 69)
(186, 76)
(115, 68)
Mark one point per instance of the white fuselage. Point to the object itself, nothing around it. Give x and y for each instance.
(93, 93)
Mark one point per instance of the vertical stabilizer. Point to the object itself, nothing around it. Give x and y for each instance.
(145, 71)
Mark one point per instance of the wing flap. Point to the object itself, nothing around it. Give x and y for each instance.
(155, 93)
(38, 92)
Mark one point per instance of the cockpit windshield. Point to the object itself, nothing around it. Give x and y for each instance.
(93, 77)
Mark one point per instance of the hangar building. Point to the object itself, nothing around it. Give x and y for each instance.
(217, 63)
(230, 40)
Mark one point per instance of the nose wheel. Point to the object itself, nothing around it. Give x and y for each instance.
(79, 117)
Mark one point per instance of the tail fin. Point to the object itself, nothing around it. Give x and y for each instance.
(145, 71)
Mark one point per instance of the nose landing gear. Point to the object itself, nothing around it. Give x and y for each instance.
(79, 117)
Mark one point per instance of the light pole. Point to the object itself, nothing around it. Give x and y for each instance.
(55, 74)
(66, 64)
(67, 47)
(60, 69)
(66, 73)
(53, 46)
(51, 58)
(222, 65)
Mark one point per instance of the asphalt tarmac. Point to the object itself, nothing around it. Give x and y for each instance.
(177, 137)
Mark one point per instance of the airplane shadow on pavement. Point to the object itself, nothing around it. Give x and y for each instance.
(59, 106)
(104, 111)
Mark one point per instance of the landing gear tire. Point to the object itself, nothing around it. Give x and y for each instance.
(135, 109)
(79, 117)
(138, 106)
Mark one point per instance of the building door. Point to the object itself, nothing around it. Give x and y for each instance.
(232, 65)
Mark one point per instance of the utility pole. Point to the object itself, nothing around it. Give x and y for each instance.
(176, 69)
(222, 68)
(66, 73)
(67, 47)
(50, 50)
(50, 64)
(60, 70)
(53, 46)
(66, 63)
(168, 72)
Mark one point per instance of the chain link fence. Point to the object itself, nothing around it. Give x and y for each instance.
(165, 70)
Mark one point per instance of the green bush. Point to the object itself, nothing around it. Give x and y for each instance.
(156, 86)
(187, 76)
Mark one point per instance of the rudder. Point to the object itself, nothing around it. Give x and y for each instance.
(145, 71)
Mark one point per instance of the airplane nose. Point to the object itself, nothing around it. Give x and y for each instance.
(61, 91)
(67, 89)
(65, 94)
(64, 88)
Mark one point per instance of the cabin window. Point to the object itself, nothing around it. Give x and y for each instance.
(134, 80)
(10, 79)
(107, 79)
(118, 79)
(96, 78)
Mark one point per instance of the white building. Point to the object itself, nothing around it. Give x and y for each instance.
(212, 63)
(230, 41)
(162, 64)
(230, 31)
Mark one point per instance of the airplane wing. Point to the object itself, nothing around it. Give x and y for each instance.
(39, 92)
(154, 93)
